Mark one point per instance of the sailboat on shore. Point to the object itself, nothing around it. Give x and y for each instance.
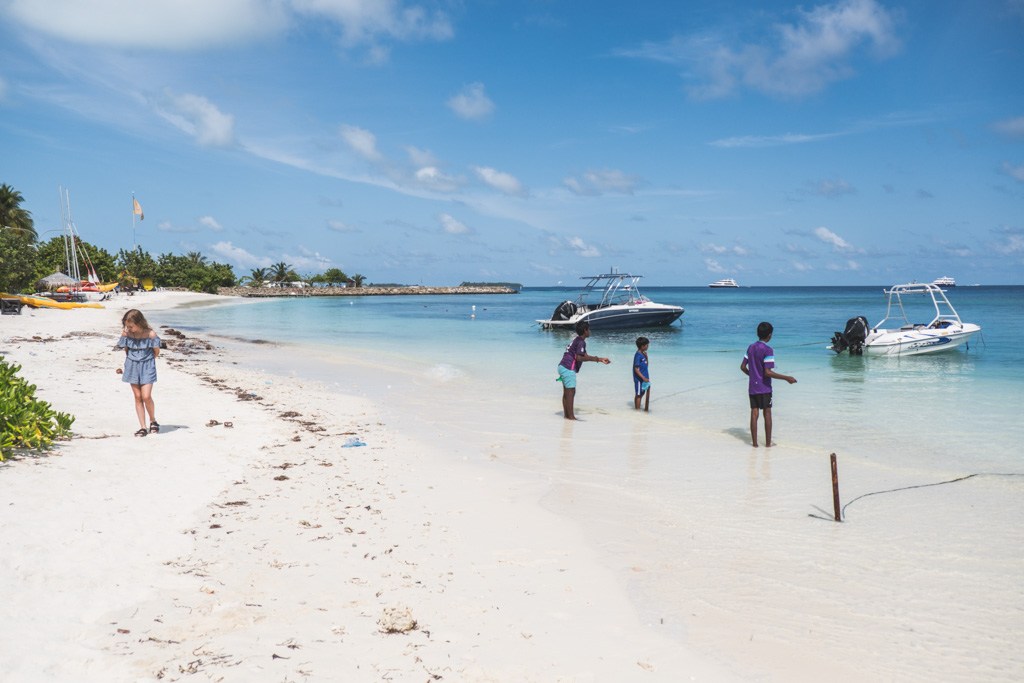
(89, 287)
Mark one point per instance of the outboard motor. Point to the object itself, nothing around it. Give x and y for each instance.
(564, 311)
(852, 337)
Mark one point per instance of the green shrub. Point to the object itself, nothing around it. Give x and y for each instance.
(25, 421)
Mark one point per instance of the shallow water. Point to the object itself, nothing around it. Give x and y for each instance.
(721, 544)
(949, 410)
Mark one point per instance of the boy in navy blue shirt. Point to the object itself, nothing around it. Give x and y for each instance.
(641, 375)
(759, 365)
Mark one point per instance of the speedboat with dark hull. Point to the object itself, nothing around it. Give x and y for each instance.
(903, 338)
(612, 301)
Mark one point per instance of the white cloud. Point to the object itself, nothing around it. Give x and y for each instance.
(452, 225)
(361, 141)
(756, 141)
(1012, 243)
(367, 21)
(503, 182)
(159, 24)
(472, 103)
(1015, 172)
(582, 248)
(829, 237)
(339, 226)
(202, 24)
(307, 260)
(600, 182)
(1011, 127)
(211, 223)
(3, 89)
(421, 157)
(711, 248)
(201, 119)
(713, 266)
(238, 256)
(433, 178)
(803, 58)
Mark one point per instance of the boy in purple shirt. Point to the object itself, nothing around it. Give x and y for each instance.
(759, 365)
(573, 357)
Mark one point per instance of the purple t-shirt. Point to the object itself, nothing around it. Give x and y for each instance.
(760, 357)
(578, 347)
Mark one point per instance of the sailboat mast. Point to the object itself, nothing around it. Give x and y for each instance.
(70, 251)
(64, 231)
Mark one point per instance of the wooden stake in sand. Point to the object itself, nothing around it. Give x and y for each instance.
(835, 487)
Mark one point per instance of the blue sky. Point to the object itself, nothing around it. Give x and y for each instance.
(847, 142)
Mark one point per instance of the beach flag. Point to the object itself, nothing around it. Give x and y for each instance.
(138, 209)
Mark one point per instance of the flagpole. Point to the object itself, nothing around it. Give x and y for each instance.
(133, 221)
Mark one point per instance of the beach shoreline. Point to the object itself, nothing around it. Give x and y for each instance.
(525, 546)
(724, 548)
(246, 542)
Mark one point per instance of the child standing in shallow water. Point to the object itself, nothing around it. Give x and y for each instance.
(758, 365)
(641, 373)
(570, 364)
(141, 347)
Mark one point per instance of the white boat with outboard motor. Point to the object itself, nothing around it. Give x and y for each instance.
(946, 331)
(612, 301)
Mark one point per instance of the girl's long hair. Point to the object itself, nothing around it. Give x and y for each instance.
(135, 317)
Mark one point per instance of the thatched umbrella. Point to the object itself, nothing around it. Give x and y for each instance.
(51, 282)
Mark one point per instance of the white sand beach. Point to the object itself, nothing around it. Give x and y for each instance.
(459, 549)
(266, 551)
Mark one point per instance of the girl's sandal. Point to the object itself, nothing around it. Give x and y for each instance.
(154, 427)
(141, 432)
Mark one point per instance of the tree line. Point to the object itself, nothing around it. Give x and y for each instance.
(24, 261)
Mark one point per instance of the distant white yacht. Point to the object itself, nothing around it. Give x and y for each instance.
(724, 282)
(944, 282)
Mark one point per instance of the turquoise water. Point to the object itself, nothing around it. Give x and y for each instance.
(713, 540)
(943, 412)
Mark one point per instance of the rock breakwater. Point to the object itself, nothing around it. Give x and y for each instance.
(357, 291)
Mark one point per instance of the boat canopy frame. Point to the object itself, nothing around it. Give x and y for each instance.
(616, 291)
(944, 310)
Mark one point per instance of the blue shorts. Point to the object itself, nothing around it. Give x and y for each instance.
(640, 387)
(567, 376)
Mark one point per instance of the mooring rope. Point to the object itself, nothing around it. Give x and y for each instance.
(938, 483)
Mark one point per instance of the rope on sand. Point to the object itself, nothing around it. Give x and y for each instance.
(938, 483)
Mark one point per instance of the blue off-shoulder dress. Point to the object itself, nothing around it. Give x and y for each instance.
(140, 360)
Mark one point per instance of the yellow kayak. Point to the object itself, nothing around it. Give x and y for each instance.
(45, 302)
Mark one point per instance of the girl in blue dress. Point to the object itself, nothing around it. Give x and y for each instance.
(141, 348)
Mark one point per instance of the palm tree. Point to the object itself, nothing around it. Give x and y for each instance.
(280, 271)
(12, 216)
(257, 277)
(358, 280)
(195, 258)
